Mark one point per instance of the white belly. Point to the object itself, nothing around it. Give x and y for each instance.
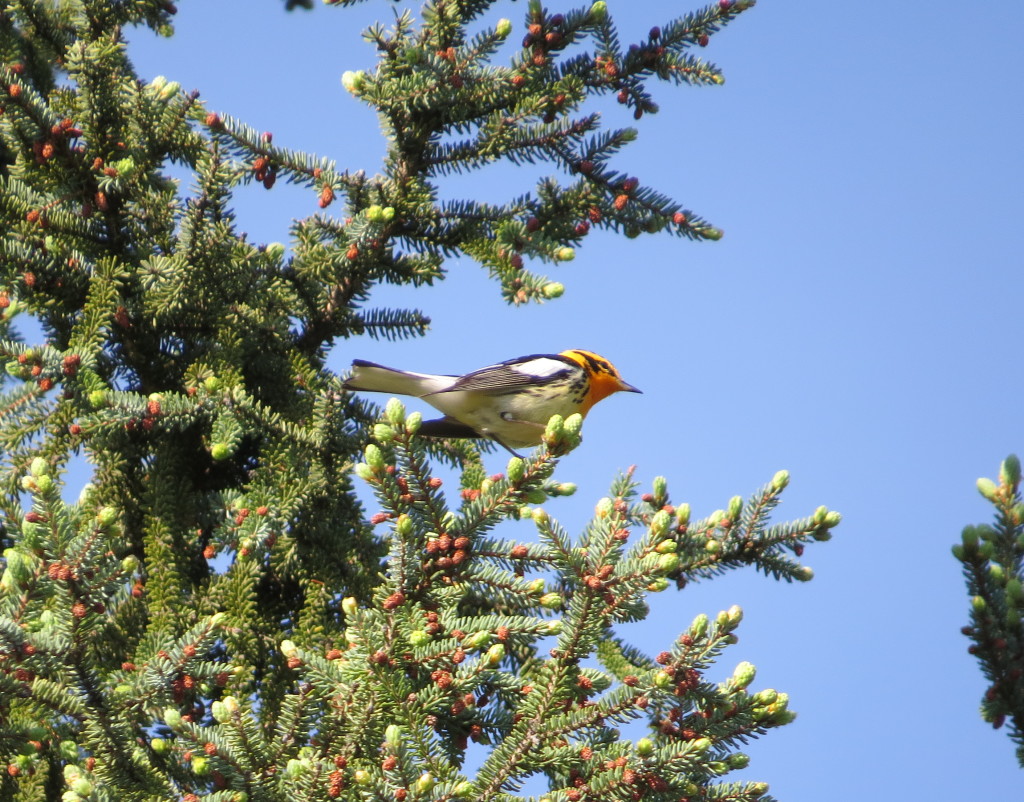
(517, 419)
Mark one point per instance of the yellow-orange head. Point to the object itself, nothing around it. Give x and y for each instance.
(603, 378)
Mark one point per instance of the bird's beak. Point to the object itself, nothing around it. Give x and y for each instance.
(628, 388)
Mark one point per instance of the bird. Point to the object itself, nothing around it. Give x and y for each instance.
(509, 402)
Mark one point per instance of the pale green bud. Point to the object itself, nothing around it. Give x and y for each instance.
(211, 384)
(735, 614)
(295, 768)
(535, 586)
(28, 483)
(200, 766)
(39, 467)
(662, 679)
(503, 28)
(644, 747)
(712, 546)
(170, 89)
(660, 523)
(374, 457)
(220, 451)
(820, 514)
(833, 518)
(20, 566)
(172, 718)
(780, 480)
(495, 654)
(403, 525)
(393, 736)
(424, 783)
(743, 675)
(555, 627)
(375, 213)
(160, 746)
(394, 412)
(219, 712)
(1009, 471)
(363, 471)
(362, 777)
(804, 573)
(383, 433)
(553, 289)
(462, 789)
(551, 601)
(666, 547)
(658, 585)
(987, 488)
(757, 789)
(683, 514)
(536, 496)
(478, 640)
(565, 254)
(274, 251)
(516, 469)
(107, 516)
(784, 717)
(354, 82)
(44, 484)
(979, 604)
(574, 423)
(555, 427)
(599, 11)
(701, 745)
(766, 697)
(699, 626)
(540, 517)
(667, 563)
(419, 638)
(997, 573)
(735, 507)
(413, 422)
(289, 649)
(603, 508)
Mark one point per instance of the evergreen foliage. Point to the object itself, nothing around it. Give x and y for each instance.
(215, 615)
(993, 563)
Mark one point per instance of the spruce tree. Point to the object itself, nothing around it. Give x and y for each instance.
(215, 614)
(993, 564)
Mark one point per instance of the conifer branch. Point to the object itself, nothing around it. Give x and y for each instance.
(993, 565)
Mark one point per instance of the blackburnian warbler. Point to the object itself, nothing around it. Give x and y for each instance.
(510, 402)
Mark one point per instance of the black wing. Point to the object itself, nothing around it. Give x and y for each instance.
(512, 374)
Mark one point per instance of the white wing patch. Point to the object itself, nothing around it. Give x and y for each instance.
(542, 366)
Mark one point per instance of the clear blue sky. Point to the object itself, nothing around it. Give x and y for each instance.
(859, 325)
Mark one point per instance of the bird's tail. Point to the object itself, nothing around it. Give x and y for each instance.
(374, 378)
